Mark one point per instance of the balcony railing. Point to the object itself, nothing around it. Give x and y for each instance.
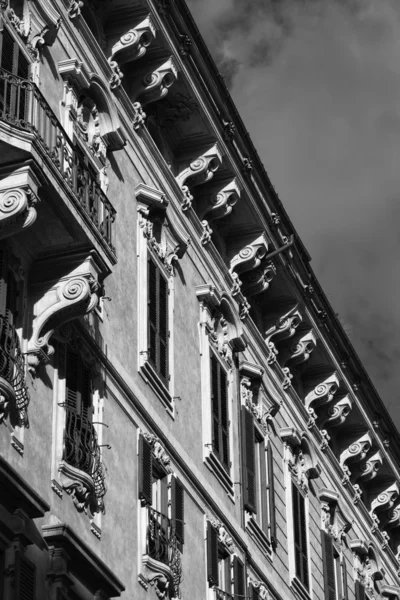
(81, 450)
(23, 106)
(221, 595)
(12, 368)
(158, 536)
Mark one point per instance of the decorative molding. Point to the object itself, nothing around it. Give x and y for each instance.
(134, 43)
(17, 210)
(80, 486)
(320, 388)
(198, 172)
(263, 592)
(56, 487)
(159, 454)
(334, 519)
(301, 457)
(74, 9)
(356, 452)
(140, 116)
(223, 536)
(158, 575)
(155, 85)
(206, 234)
(73, 296)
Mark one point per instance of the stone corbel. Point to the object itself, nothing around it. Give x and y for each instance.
(155, 85)
(134, 43)
(337, 413)
(74, 71)
(46, 21)
(74, 295)
(150, 200)
(283, 323)
(258, 280)
(80, 486)
(385, 498)
(18, 201)
(320, 388)
(199, 172)
(368, 468)
(355, 453)
(221, 203)
(299, 348)
(250, 256)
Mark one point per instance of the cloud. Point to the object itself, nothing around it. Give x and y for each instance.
(317, 84)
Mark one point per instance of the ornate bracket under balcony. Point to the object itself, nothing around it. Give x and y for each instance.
(18, 200)
(45, 24)
(298, 349)
(320, 388)
(134, 43)
(337, 413)
(199, 172)
(385, 498)
(155, 85)
(81, 487)
(368, 468)
(159, 454)
(223, 535)
(258, 280)
(73, 296)
(355, 452)
(250, 256)
(220, 204)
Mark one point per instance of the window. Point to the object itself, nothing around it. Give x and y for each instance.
(219, 409)
(12, 58)
(300, 536)
(158, 333)
(258, 479)
(162, 499)
(25, 578)
(219, 568)
(335, 574)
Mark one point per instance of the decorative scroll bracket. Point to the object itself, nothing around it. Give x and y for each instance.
(155, 85)
(221, 203)
(134, 43)
(198, 172)
(18, 200)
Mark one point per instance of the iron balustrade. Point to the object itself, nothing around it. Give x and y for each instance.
(12, 367)
(221, 595)
(22, 105)
(81, 450)
(158, 536)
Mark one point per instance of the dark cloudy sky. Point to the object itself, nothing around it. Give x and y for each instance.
(317, 83)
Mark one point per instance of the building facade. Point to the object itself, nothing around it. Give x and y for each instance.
(182, 414)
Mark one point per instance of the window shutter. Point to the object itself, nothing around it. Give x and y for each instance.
(72, 393)
(152, 312)
(215, 404)
(9, 49)
(360, 591)
(178, 509)
(212, 555)
(300, 535)
(25, 578)
(3, 282)
(163, 325)
(271, 493)
(11, 298)
(86, 394)
(248, 450)
(223, 390)
(145, 471)
(239, 582)
(329, 566)
(344, 580)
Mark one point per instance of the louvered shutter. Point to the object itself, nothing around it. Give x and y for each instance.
(223, 390)
(212, 555)
(271, 494)
(153, 311)
(11, 300)
(163, 326)
(86, 394)
(25, 578)
(329, 566)
(344, 580)
(360, 591)
(300, 535)
(145, 471)
(72, 393)
(239, 581)
(249, 463)
(9, 51)
(215, 404)
(178, 509)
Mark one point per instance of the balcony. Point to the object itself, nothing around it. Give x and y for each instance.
(82, 469)
(29, 129)
(14, 396)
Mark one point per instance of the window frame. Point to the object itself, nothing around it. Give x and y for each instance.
(222, 451)
(300, 537)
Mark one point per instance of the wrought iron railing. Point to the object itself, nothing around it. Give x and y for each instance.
(12, 368)
(23, 106)
(158, 536)
(81, 450)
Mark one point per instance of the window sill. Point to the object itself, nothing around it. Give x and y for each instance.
(299, 590)
(221, 474)
(259, 536)
(152, 378)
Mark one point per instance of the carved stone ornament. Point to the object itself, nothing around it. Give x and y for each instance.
(17, 210)
(320, 388)
(140, 116)
(223, 536)
(221, 203)
(248, 381)
(334, 520)
(72, 296)
(199, 171)
(283, 322)
(250, 256)
(116, 75)
(337, 413)
(159, 454)
(134, 43)
(155, 85)
(262, 589)
(46, 23)
(385, 499)
(357, 451)
(298, 349)
(300, 456)
(368, 468)
(258, 280)
(206, 234)
(366, 564)
(80, 486)
(21, 26)
(75, 7)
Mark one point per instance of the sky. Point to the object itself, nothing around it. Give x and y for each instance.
(317, 84)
